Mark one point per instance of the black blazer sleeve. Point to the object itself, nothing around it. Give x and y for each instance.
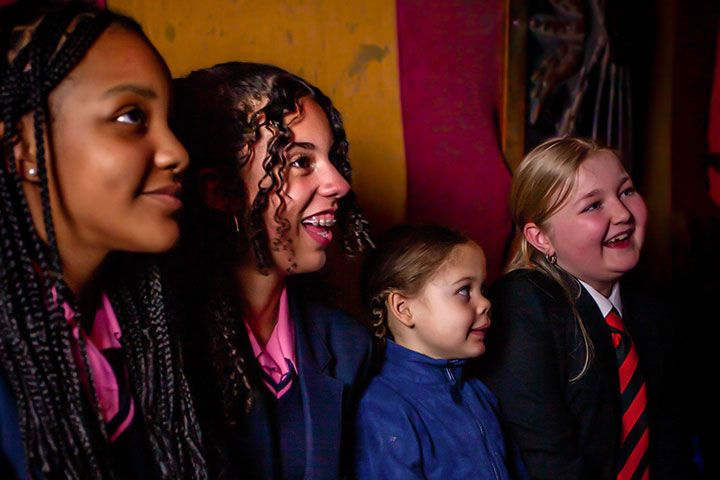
(525, 368)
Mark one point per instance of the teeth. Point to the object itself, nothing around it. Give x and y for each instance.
(619, 238)
(319, 222)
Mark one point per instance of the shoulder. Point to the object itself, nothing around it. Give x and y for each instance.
(326, 328)
(525, 295)
(389, 434)
(384, 407)
(526, 284)
(531, 315)
(337, 327)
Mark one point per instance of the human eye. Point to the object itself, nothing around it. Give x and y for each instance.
(302, 162)
(628, 191)
(133, 116)
(592, 207)
(464, 291)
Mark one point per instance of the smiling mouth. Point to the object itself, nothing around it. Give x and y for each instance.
(318, 227)
(481, 331)
(620, 240)
(319, 222)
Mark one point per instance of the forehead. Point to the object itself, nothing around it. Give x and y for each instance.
(598, 170)
(312, 126)
(465, 260)
(119, 56)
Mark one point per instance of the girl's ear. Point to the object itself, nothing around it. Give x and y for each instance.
(537, 237)
(398, 306)
(25, 150)
(214, 193)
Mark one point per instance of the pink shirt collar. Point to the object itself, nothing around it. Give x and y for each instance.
(105, 334)
(279, 347)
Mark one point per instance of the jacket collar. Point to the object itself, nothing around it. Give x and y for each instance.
(406, 364)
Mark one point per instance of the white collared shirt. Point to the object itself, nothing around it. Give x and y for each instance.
(605, 304)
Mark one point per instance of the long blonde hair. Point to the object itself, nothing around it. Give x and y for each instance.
(541, 186)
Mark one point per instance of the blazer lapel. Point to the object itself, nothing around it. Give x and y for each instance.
(322, 395)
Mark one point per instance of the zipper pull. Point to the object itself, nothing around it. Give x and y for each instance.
(454, 386)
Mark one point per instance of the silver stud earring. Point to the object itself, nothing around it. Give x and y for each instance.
(32, 172)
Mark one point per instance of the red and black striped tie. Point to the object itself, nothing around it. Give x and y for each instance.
(633, 462)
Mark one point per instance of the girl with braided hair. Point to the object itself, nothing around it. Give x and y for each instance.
(423, 415)
(90, 383)
(269, 178)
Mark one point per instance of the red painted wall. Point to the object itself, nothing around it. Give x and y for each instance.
(450, 61)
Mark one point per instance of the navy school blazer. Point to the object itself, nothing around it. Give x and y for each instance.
(12, 450)
(334, 360)
(570, 430)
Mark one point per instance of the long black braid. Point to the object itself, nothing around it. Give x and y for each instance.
(219, 120)
(63, 432)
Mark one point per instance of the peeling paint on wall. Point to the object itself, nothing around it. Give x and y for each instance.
(170, 32)
(348, 49)
(365, 55)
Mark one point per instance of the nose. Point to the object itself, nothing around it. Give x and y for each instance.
(332, 183)
(483, 306)
(170, 154)
(620, 212)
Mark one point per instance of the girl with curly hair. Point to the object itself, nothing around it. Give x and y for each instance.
(269, 180)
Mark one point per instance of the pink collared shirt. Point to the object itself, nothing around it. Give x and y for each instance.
(279, 347)
(105, 335)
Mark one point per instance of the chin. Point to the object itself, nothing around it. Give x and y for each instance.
(621, 268)
(472, 352)
(311, 264)
(478, 351)
(160, 241)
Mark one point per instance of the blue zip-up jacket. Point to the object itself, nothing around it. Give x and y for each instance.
(421, 418)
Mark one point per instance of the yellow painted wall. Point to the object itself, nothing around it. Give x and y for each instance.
(348, 49)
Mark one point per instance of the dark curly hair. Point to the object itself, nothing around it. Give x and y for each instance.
(219, 115)
(63, 432)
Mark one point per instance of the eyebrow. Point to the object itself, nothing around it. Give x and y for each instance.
(592, 193)
(136, 89)
(304, 145)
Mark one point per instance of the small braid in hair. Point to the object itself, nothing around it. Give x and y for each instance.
(36, 353)
(378, 313)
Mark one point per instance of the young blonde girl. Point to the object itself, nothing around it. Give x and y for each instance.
(423, 416)
(579, 363)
